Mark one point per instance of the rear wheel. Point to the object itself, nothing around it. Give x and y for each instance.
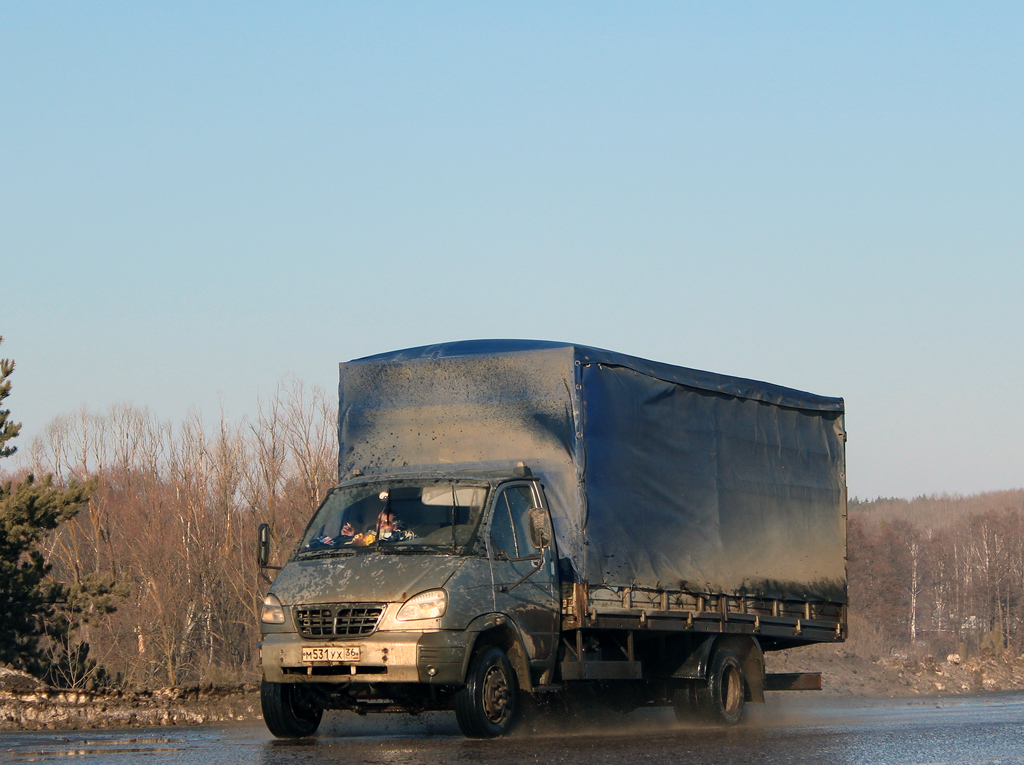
(684, 704)
(720, 699)
(289, 710)
(487, 706)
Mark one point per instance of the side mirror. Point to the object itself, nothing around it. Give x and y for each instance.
(539, 534)
(263, 544)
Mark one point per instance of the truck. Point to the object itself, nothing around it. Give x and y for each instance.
(539, 525)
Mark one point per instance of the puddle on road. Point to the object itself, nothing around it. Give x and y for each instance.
(957, 731)
(37, 747)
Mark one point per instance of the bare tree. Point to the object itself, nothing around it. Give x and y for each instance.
(309, 432)
(173, 520)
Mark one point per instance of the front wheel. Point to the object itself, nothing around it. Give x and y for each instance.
(487, 706)
(289, 710)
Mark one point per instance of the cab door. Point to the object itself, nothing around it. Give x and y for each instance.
(522, 556)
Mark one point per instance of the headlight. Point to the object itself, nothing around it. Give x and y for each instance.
(427, 605)
(273, 611)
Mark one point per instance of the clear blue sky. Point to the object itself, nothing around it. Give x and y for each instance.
(197, 199)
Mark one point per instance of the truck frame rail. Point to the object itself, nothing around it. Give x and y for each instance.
(637, 608)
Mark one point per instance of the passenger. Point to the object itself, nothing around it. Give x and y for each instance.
(353, 538)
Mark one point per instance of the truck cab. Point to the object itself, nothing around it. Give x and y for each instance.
(412, 593)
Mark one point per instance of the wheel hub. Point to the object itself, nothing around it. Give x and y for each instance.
(495, 694)
(732, 691)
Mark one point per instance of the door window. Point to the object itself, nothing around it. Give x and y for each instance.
(510, 529)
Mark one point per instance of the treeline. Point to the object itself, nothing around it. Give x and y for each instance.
(162, 583)
(940, 574)
(163, 554)
(937, 511)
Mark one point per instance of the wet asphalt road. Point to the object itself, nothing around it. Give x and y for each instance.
(791, 728)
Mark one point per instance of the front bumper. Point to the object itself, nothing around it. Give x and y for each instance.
(436, 658)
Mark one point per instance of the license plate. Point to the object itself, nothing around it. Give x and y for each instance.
(331, 653)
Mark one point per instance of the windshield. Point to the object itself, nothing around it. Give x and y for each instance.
(402, 515)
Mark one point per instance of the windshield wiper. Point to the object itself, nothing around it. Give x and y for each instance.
(415, 549)
(316, 554)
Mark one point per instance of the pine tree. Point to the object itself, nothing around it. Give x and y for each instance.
(8, 429)
(29, 510)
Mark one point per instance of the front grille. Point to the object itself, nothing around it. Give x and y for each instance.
(338, 619)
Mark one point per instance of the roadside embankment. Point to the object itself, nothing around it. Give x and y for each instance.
(848, 674)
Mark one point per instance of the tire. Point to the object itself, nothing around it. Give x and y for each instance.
(684, 704)
(721, 699)
(488, 705)
(288, 710)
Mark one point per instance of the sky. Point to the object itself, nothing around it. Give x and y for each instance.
(199, 199)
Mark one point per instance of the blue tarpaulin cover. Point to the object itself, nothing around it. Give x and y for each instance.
(657, 476)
